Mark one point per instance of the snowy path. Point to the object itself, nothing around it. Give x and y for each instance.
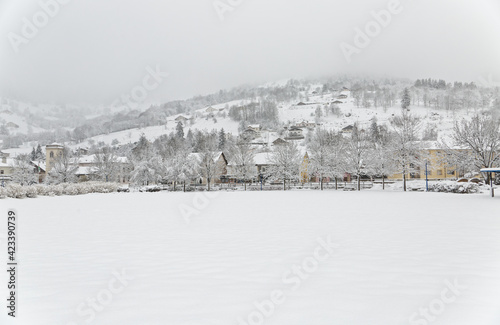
(396, 250)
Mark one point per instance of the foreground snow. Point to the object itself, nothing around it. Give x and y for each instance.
(263, 258)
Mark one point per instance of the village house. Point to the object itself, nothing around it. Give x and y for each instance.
(250, 134)
(221, 163)
(348, 129)
(40, 168)
(6, 169)
(87, 168)
(181, 119)
(302, 124)
(295, 133)
(211, 110)
(279, 142)
(255, 127)
(52, 151)
(437, 166)
(12, 125)
(262, 163)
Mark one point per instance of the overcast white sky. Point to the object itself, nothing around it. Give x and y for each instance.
(95, 50)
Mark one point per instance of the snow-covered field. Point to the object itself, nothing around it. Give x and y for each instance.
(257, 258)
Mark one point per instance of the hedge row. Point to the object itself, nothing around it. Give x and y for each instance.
(465, 188)
(18, 192)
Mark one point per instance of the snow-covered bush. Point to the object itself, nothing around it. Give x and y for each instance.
(448, 187)
(16, 191)
(41, 190)
(31, 191)
(71, 189)
(57, 189)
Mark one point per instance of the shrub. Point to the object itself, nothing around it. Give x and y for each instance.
(31, 191)
(15, 191)
(464, 188)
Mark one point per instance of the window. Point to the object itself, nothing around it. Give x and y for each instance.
(1, 171)
(429, 173)
(52, 154)
(451, 172)
(440, 172)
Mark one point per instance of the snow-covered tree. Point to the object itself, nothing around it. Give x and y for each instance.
(406, 99)
(208, 165)
(23, 171)
(322, 155)
(148, 165)
(64, 168)
(33, 154)
(405, 146)
(285, 163)
(179, 129)
(222, 139)
(481, 135)
(106, 167)
(357, 154)
(147, 171)
(39, 156)
(382, 163)
(242, 158)
(181, 167)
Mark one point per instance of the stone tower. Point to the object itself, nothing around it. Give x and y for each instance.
(52, 151)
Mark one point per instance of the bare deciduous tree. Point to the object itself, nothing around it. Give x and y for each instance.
(285, 163)
(481, 135)
(405, 144)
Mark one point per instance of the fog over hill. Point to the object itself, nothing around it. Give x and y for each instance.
(97, 52)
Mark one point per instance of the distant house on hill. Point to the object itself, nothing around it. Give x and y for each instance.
(295, 133)
(310, 125)
(305, 124)
(255, 127)
(82, 151)
(211, 110)
(338, 102)
(181, 118)
(302, 124)
(348, 129)
(343, 96)
(301, 104)
(279, 142)
(12, 125)
(250, 134)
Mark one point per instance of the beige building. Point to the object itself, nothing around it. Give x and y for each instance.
(52, 151)
(6, 169)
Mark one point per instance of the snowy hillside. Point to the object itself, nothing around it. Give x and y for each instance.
(328, 105)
